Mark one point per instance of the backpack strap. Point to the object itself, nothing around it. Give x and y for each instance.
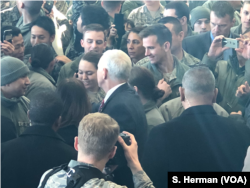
(80, 174)
(52, 172)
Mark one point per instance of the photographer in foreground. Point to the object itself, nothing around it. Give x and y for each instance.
(97, 136)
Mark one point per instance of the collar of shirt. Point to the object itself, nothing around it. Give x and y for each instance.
(112, 90)
(74, 163)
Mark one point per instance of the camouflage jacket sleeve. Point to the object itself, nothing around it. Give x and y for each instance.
(141, 180)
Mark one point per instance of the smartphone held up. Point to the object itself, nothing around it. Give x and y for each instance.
(230, 43)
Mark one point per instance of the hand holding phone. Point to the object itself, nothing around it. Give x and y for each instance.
(7, 48)
(230, 43)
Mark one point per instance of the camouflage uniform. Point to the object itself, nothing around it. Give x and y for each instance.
(60, 180)
(174, 79)
(188, 59)
(10, 16)
(97, 97)
(4, 4)
(128, 6)
(62, 6)
(141, 16)
(73, 15)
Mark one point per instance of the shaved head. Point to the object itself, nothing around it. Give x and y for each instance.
(199, 82)
(32, 7)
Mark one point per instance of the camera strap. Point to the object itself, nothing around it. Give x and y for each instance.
(76, 176)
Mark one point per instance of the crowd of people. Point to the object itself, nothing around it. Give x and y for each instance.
(119, 93)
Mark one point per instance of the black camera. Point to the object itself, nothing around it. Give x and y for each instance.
(119, 158)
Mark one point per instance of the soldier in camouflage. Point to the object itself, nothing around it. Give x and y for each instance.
(159, 60)
(174, 25)
(91, 14)
(181, 11)
(128, 6)
(147, 14)
(98, 134)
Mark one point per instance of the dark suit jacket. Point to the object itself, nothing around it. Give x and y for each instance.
(25, 159)
(126, 108)
(198, 140)
(197, 45)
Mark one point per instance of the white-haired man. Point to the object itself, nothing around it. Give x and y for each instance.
(121, 103)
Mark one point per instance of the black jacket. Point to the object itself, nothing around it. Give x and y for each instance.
(198, 140)
(8, 130)
(126, 108)
(25, 159)
(197, 45)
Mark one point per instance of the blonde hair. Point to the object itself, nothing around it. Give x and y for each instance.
(97, 134)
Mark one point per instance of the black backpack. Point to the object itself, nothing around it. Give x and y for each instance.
(77, 176)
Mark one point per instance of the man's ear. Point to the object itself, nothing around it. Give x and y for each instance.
(215, 95)
(166, 46)
(113, 152)
(182, 94)
(76, 143)
(82, 43)
(105, 45)
(183, 20)
(52, 38)
(105, 73)
(30, 60)
(102, 3)
(181, 35)
(21, 4)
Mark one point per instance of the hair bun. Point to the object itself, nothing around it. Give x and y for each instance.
(157, 93)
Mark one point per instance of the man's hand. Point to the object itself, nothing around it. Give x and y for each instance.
(63, 58)
(245, 49)
(7, 48)
(131, 153)
(162, 85)
(216, 48)
(243, 90)
(239, 113)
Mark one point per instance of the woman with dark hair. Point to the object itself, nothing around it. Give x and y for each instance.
(87, 73)
(143, 82)
(42, 63)
(75, 106)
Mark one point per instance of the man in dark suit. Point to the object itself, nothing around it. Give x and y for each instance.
(221, 21)
(121, 103)
(198, 140)
(39, 148)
